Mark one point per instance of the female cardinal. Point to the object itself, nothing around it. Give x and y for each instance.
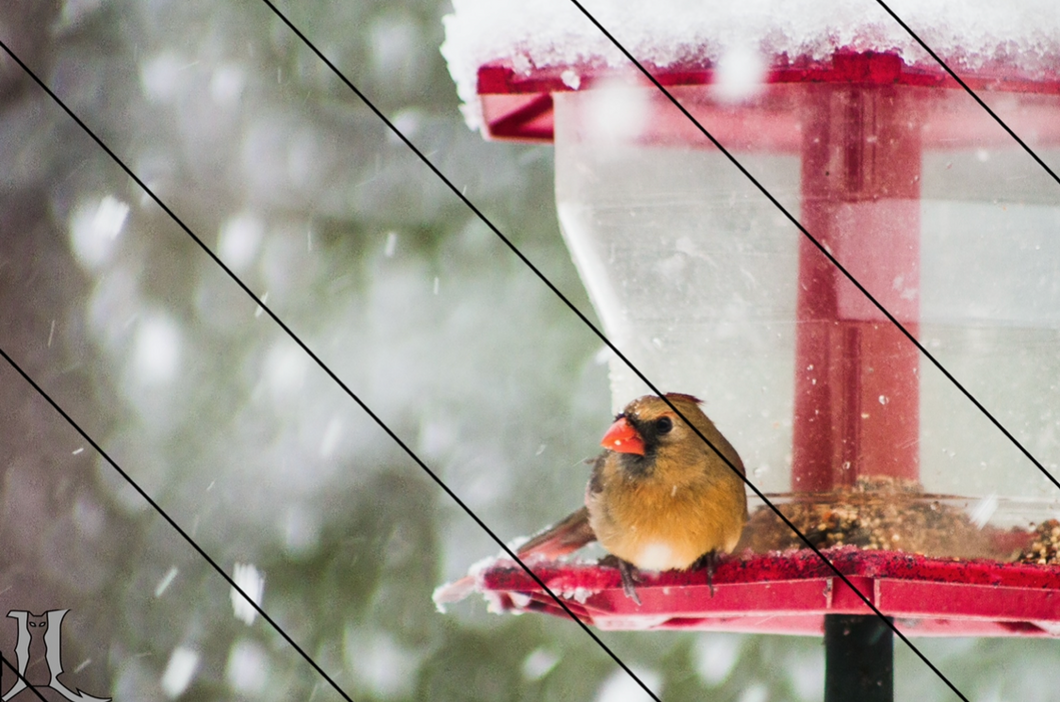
(660, 497)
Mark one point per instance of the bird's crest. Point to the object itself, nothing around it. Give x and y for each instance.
(682, 396)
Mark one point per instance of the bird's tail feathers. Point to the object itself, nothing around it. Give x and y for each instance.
(566, 536)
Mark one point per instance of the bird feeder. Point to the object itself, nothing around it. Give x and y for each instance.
(709, 289)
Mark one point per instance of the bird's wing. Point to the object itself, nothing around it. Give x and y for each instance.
(562, 538)
(596, 479)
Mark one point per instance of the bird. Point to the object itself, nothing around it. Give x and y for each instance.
(659, 496)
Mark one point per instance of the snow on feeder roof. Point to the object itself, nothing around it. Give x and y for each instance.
(554, 42)
(710, 290)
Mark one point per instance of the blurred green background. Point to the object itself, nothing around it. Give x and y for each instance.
(207, 405)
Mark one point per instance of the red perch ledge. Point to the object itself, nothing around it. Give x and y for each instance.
(789, 593)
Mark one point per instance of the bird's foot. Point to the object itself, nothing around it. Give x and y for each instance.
(629, 580)
(629, 576)
(708, 560)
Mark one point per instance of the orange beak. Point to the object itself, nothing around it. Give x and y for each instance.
(623, 438)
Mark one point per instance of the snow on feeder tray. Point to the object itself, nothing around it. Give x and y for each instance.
(709, 289)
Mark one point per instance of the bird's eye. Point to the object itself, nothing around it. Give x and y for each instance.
(663, 425)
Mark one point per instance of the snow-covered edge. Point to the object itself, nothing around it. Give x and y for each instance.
(457, 590)
(553, 33)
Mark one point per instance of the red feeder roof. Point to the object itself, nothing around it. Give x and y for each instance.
(517, 105)
(790, 593)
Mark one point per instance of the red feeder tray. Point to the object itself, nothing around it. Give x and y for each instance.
(790, 593)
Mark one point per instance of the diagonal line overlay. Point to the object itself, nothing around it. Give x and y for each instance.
(968, 90)
(607, 341)
(206, 556)
(330, 374)
(19, 676)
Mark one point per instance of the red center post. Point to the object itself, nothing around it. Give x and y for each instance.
(856, 379)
